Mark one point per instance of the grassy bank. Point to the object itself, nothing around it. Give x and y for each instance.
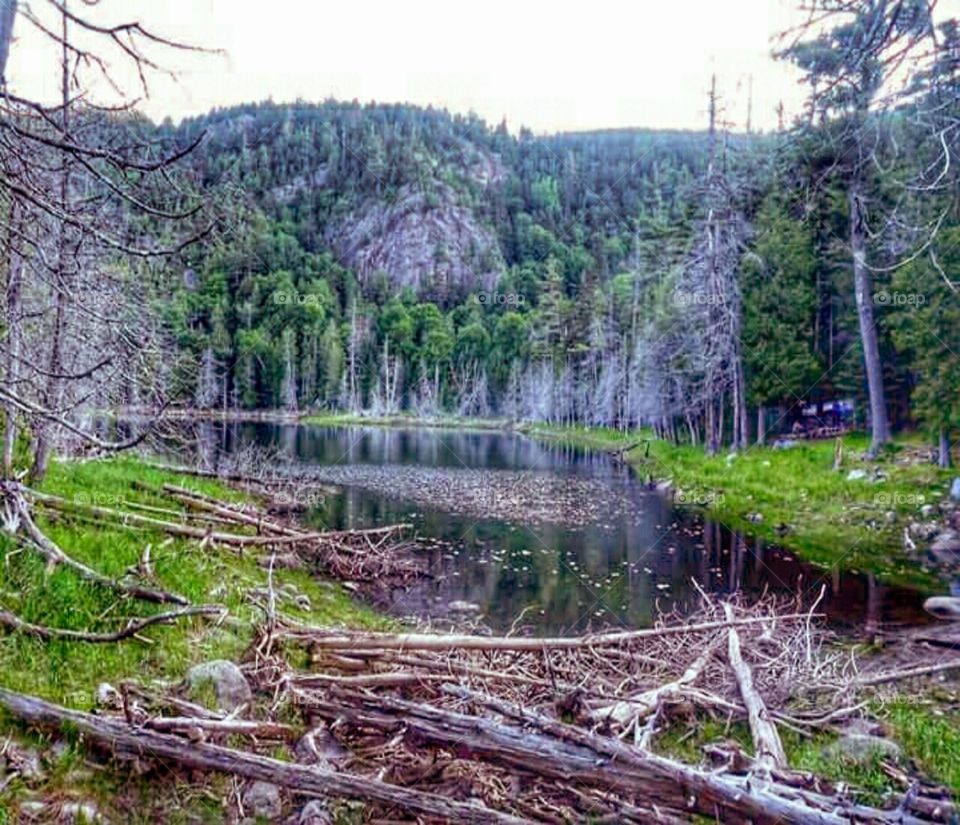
(794, 497)
(69, 672)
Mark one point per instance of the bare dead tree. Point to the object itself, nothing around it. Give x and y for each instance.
(84, 195)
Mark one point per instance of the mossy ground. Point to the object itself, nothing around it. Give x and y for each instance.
(69, 672)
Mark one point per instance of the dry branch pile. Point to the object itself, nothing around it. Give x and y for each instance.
(492, 729)
(478, 728)
(513, 729)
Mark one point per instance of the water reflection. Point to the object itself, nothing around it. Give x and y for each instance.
(620, 569)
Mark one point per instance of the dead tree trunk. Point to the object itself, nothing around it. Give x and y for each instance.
(863, 287)
(119, 737)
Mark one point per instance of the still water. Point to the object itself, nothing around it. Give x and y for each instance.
(554, 537)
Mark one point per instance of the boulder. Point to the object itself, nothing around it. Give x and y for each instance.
(229, 684)
(945, 547)
(943, 607)
(262, 800)
(315, 813)
(955, 489)
(863, 748)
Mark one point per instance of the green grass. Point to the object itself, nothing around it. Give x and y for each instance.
(929, 739)
(802, 502)
(930, 735)
(69, 672)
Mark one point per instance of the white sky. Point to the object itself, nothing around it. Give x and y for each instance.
(548, 65)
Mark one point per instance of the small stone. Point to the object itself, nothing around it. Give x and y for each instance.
(25, 761)
(315, 813)
(890, 516)
(863, 748)
(32, 808)
(262, 799)
(926, 511)
(925, 530)
(856, 475)
(458, 606)
(108, 697)
(755, 518)
(75, 813)
(943, 607)
(231, 687)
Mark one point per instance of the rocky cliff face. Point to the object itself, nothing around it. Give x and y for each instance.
(425, 239)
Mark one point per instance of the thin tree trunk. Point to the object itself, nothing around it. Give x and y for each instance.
(53, 393)
(14, 284)
(863, 286)
(8, 11)
(943, 449)
(761, 425)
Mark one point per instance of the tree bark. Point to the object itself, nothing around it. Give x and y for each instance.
(122, 738)
(761, 425)
(943, 449)
(14, 336)
(8, 11)
(863, 287)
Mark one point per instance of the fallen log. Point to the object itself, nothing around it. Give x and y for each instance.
(323, 638)
(643, 704)
(15, 623)
(201, 502)
(766, 739)
(119, 737)
(265, 730)
(187, 531)
(909, 673)
(547, 748)
(55, 555)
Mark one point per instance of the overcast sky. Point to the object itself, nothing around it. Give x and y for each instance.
(548, 65)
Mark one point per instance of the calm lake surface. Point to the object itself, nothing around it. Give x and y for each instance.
(557, 538)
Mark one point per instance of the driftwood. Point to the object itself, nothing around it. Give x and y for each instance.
(650, 700)
(769, 748)
(322, 638)
(120, 737)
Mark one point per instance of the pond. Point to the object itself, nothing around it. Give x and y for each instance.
(557, 538)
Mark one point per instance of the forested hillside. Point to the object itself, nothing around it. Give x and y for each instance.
(387, 258)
